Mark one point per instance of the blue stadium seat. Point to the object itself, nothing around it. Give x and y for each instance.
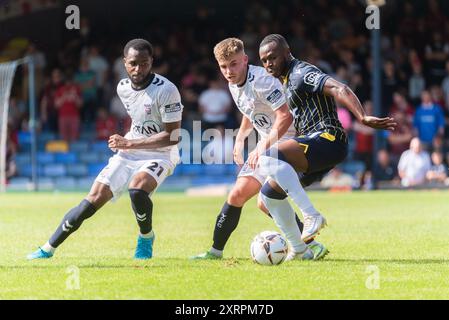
(79, 146)
(104, 157)
(214, 169)
(25, 170)
(100, 146)
(24, 137)
(232, 170)
(89, 157)
(45, 183)
(66, 157)
(77, 170)
(54, 170)
(191, 169)
(22, 158)
(65, 183)
(44, 137)
(45, 157)
(95, 168)
(19, 183)
(85, 182)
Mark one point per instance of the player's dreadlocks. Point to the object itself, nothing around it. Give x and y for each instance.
(139, 45)
(276, 38)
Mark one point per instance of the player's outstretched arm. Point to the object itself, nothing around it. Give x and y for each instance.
(170, 136)
(345, 96)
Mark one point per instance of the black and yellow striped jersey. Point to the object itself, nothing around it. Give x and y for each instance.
(312, 110)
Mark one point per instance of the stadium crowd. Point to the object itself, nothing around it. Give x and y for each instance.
(76, 86)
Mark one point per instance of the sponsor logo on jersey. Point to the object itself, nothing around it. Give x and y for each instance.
(148, 128)
(174, 107)
(262, 121)
(311, 78)
(274, 96)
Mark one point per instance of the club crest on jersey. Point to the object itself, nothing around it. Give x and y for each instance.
(174, 107)
(311, 78)
(147, 108)
(274, 96)
(148, 128)
(262, 121)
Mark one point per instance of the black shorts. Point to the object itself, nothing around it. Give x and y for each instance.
(323, 152)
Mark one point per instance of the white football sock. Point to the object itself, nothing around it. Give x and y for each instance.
(148, 235)
(48, 248)
(287, 178)
(284, 217)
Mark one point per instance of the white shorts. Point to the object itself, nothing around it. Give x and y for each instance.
(119, 171)
(247, 171)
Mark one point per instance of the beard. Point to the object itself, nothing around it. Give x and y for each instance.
(142, 82)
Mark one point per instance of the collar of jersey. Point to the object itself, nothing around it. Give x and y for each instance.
(246, 79)
(285, 78)
(151, 78)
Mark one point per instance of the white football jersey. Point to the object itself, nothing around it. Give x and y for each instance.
(259, 98)
(149, 109)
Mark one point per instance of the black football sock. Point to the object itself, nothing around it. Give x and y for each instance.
(71, 222)
(143, 209)
(227, 221)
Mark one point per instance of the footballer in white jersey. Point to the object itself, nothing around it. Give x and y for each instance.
(146, 155)
(260, 98)
(150, 110)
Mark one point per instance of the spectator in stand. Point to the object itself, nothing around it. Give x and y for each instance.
(384, 170)
(85, 79)
(68, 101)
(413, 165)
(399, 139)
(364, 137)
(215, 105)
(416, 83)
(437, 52)
(338, 180)
(390, 83)
(401, 105)
(39, 65)
(445, 85)
(99, 65)
(428, 121)
(48, 112)
(438, 172)
(106, 124)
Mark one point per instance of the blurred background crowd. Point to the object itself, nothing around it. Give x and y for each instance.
(76, 75)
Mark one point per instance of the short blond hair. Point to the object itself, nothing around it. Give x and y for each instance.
(227, 47)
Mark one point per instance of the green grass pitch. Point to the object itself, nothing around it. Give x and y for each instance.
(384, 245)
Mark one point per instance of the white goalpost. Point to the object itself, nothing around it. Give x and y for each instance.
(7, 71)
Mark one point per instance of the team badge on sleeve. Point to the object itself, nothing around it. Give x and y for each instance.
(274, 96)
(174, 107)
(311, 78)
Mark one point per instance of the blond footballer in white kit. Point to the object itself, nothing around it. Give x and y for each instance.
(146, 155)
(260, 98)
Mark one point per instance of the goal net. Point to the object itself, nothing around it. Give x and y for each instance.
(7, 71)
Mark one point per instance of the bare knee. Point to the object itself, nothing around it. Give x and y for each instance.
(237, 197)
(262, 207)
(99, 195)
